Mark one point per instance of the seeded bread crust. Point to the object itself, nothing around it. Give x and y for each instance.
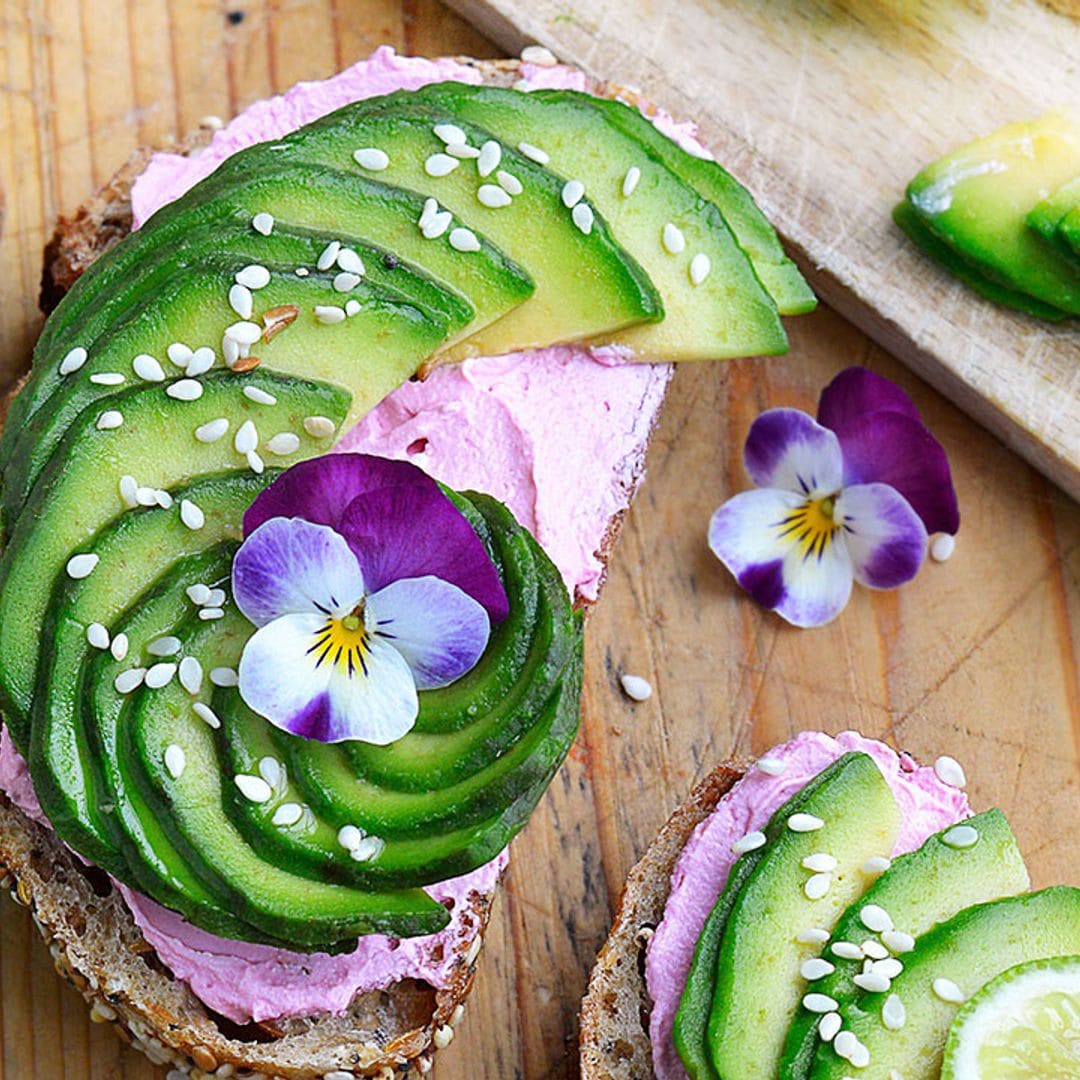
(615, 1012)
(91, 935)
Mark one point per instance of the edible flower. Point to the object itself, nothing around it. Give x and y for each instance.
(366, 584)
(851, 496)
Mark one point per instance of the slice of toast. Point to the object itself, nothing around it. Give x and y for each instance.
(615, 1012)
(91, 935)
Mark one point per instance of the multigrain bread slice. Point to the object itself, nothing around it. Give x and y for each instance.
(91, 935)
(615, 1012)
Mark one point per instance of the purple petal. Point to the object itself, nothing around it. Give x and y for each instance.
(857, 391)
(884, 535)
(790, 450)
(893, 449)
(441, 631)
(288, 566)
(283, 679)
(319, 490)
(411, 531)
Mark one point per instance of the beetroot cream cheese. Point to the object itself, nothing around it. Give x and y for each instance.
(926, 804)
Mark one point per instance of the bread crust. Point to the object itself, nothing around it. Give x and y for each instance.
(615, 1012)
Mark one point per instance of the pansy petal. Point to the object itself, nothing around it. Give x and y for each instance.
(377, 705)
(884, 535)
(319, 490)
(287, 565)
(857, 391)
(788, 449)
(439, 629)
(410, 532)
(751, 537)
(893, 449)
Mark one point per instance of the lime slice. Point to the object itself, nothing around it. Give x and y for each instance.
(1023, 1025)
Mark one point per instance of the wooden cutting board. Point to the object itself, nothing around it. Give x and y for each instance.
(825, 110)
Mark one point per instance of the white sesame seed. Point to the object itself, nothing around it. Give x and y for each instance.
(804, 823)
(146, 367)
(119, 647)
(371, 158)
(270, 770)
(771, 766)
(209, 614)
(538, 55)
(329, 255)
(441, 165)
(345, 282)
(846, 950)
(206, 714)
(431, 208)
(73, 360)
(875, 918)
(190, 674)
(246, 438)
(462, 239)
(215, 597)
(224, 676)
(175, 760)
(816, 968)
(572, 193)
(829, 1026)
(230, 350)
(349, 837)
(860, 1057)
(583, 217)
(817, 886)
(509, 182)
(490, 156)
(351, 307)
(287, 814)
(254, 788)
(110, 419)
(263, 223)
(146, 496)
(897, 941)
(874, 949)
(129, 680)
(819, 1003)
(97, 635)
(212, 430)
(750, 842)
(244, 332)
(630, 181)
(163, 499)
(255, 462)
(636, 688)
(198, 593)
(350, 261)
(301, 271)
(164, 646)
(191, 515)
(179, 354)
(534, 153)
(450, 133)
(442, 1037)
(845, 1043)
(893, 1013)
(820, 863)
(283, 444)
(371, 847)
(942, 547)
(214, 123)
(107, 378)
(700, 265)
(947, 990)
(202, 360)
(493, 196)
(871, 982)
(950, 771)
(160, 675)
(81, 566)
(327, 313)
(876, 864)
(185, 390)
(961, 836)
(319, 427)
(241, 300)
(438, 224)
(259, 396)
(812, 936)
(889, 967)
(672, 238)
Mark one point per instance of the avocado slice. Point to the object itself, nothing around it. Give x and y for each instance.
(757, 973)
(976, 199)
(1046, 216)
(729, 313)
(969, 950)
(919, 890)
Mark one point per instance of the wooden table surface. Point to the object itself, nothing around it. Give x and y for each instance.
(977, 657)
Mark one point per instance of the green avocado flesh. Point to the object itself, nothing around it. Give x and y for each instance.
(124, 478)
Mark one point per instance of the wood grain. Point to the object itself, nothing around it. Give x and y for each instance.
(826, 109)
(977, 657)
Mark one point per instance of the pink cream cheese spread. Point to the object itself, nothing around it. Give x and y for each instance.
(488, 424)
(927, 805)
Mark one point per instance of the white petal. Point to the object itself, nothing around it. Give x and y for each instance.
(378, 707)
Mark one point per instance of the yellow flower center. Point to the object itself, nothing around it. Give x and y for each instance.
(343, 643)
(812, 525)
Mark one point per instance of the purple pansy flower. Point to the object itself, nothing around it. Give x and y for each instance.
(366, 584)
(848, 497)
